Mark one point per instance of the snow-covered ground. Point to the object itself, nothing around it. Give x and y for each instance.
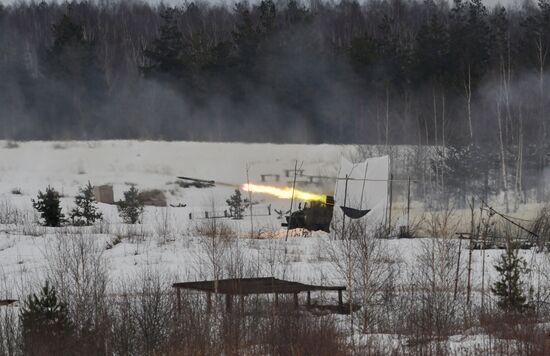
(66, 166)
(167, 240)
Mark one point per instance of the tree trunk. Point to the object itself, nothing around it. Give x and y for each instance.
(542, 60)
(468, 89)
(502, 158)
(387, 113)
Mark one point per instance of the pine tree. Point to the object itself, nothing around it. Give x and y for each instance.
(131, 208)
(295, 13)
(74, 72)
(86, 211)
(46, 327)
(268, 15)
(432, 51)
(474, 159)
(166, 53)
(246, 37)
(47, 205)
(509, 288)
(236, 206)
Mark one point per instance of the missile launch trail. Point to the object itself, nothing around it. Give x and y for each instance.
(279, 192)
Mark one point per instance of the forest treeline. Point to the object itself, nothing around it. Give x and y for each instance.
(379, 72)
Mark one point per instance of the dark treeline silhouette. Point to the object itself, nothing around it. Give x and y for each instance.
(385, 71)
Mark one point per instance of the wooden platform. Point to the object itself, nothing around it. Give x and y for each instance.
(246, 286)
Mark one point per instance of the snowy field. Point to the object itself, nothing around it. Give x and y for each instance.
(166, 240)
(66, 166)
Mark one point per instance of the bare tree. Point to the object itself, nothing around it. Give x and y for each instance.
(363, 262)
(10, 331)
(435, 313)
(79, 272)
(215, 238)
(164, 225)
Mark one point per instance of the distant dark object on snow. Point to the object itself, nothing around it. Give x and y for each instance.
(180, 205)
(153, 197)
(186, 182)
(4, 302)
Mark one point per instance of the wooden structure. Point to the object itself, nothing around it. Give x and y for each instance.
(299, 172)
(104, 194)
(276, 177)
(246, 286)
(311, 181)
(494, 242)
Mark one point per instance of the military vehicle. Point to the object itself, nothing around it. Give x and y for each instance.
(317, 216)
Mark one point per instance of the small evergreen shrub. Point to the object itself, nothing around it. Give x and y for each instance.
(509, 288)
(86, 210)
(48, 205)
(236, 206)
(131, 208)
(46, 327)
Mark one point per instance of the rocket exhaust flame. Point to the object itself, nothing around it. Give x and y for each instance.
(283, 193)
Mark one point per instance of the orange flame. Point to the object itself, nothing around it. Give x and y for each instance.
(283, 193)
